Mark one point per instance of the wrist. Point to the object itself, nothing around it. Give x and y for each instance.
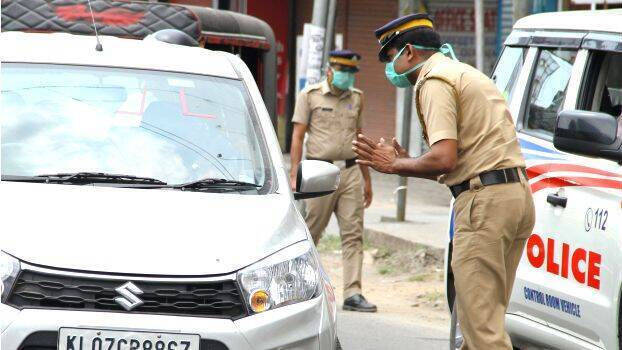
(396, 166)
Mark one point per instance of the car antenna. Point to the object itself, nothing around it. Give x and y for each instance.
(99, 46)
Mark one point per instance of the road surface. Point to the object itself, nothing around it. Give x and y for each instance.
(411, 312)
(358, 331)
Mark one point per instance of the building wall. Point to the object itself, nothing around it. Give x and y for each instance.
(507, 22)
(363, 17)
(455, 22)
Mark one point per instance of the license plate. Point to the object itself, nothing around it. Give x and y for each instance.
(101, 339)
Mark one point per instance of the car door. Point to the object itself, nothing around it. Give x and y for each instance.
(545, 88)
(590, 231)
(569, 275)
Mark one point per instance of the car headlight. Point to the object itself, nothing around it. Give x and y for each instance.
(287, 277)
(9, 269)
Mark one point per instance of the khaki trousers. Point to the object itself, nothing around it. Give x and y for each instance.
(347, 204)
(492, 224)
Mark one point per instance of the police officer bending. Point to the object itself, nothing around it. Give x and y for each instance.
(330, 113)
(474, 151)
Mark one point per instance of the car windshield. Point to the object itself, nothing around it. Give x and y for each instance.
(173, 127)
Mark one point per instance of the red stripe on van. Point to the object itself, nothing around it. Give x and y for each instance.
(563, 181)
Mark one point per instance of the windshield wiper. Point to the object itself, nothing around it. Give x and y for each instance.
(214, 183)
(95, 177)
(135, 181)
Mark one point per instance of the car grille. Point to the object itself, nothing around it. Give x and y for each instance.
(220, 299)
(48, 340)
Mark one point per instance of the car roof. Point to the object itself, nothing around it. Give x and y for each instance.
(64, 48)
(597, 21)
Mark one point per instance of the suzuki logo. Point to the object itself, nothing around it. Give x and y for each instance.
(128, 298)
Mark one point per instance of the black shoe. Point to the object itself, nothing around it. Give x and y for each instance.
(358, 303)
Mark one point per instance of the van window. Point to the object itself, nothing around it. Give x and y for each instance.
(548, 88)
(602, 91)
(508, 69)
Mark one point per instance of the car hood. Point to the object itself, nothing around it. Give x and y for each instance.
(143, 231)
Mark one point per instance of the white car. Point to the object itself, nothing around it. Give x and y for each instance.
(562, 76)
(145, 204)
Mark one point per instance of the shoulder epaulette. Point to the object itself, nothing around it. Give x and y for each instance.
(312, 87)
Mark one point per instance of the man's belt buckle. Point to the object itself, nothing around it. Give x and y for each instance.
(341, 164)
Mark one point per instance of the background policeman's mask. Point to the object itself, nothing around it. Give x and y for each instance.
(342, 80)
(401, 80)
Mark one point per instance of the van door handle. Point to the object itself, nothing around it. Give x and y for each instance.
(557, 200)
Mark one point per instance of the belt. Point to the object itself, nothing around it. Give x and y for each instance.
(342, 164)
(494, 177)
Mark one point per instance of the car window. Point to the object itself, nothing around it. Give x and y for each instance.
(508, 69)
(548, 88)
(173, 127)
(604, 90)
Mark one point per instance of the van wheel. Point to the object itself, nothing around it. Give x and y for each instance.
(338, 344)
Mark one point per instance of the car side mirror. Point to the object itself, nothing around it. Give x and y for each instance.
(316, 178)
(589, 133)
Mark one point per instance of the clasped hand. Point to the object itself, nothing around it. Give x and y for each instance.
(381, 156)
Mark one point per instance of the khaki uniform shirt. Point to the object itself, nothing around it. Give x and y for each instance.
(456, 101)
(332, 121)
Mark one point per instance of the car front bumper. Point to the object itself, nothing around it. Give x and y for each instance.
(307, 325)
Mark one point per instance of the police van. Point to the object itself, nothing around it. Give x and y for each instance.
(561, 74)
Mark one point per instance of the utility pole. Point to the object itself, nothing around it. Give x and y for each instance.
(242, 6)
(402, 189)
(406, 7)
(320, 10)
(320, 14)
(479, 34)
(330, 32)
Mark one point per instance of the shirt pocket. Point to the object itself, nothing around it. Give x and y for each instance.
(323, 117)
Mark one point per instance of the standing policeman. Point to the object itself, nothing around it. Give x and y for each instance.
(330, 113)
(474, 151)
